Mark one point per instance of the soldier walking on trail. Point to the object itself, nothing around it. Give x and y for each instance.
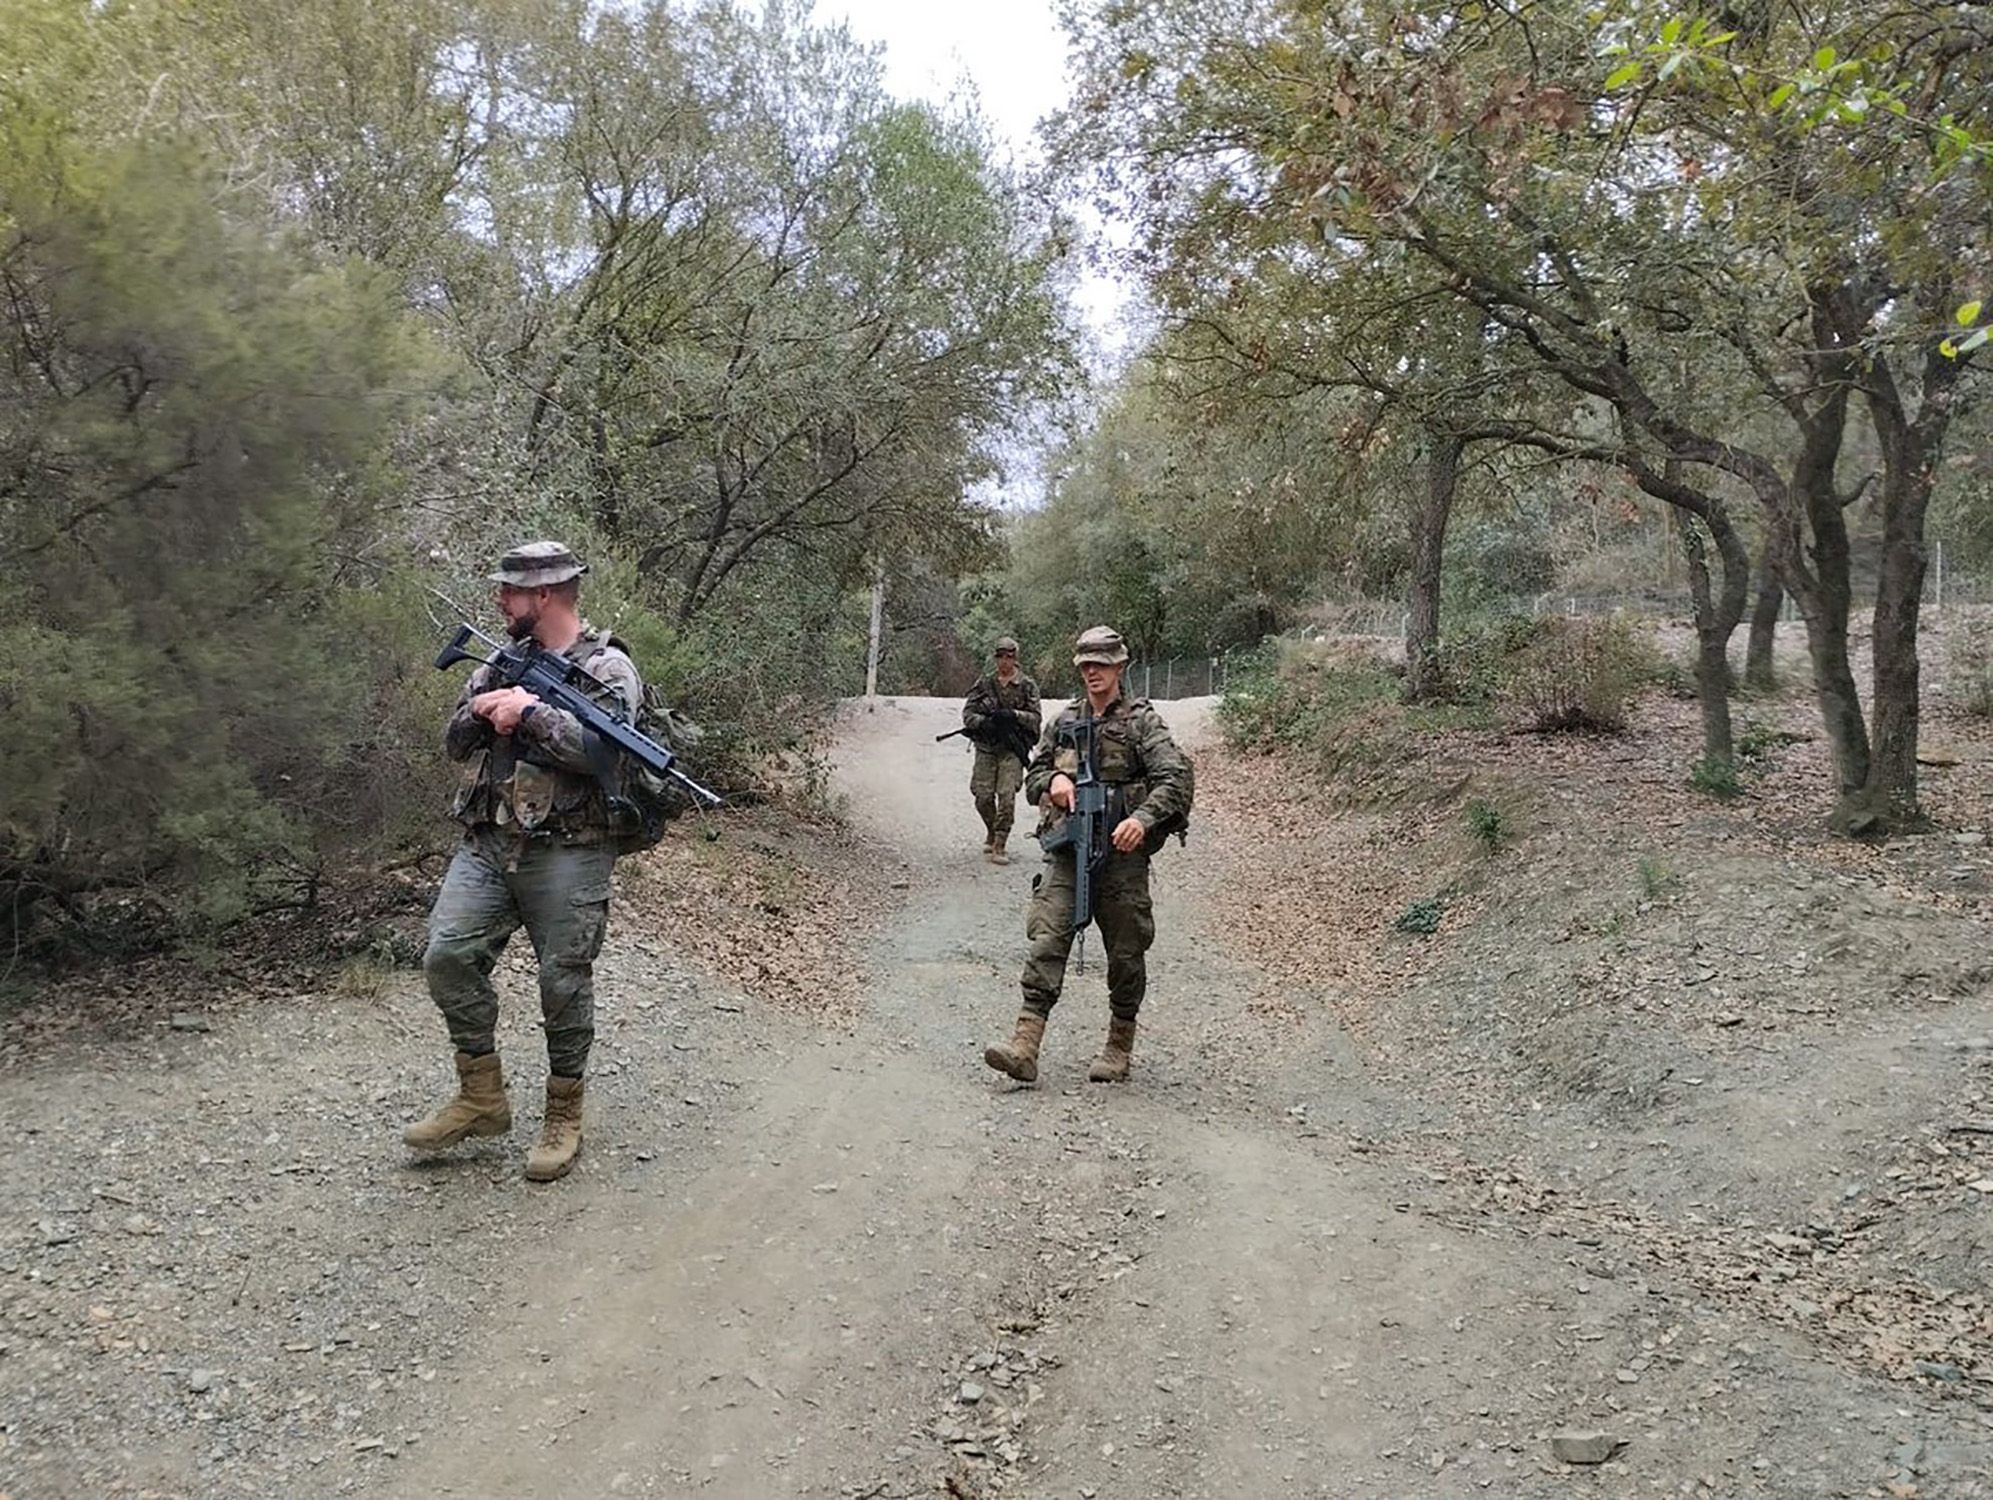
(1150, 785)
(1005, 700)
(537, 852)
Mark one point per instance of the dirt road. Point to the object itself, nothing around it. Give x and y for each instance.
(811, 1262)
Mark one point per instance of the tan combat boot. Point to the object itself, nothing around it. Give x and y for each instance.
(1112, 1064)
(560, 1137)
(1019, 1056)
(997, 854)
(480, 1107)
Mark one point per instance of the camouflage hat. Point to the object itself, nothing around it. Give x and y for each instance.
(1004, 644)
(538, 565)
(1102, 644)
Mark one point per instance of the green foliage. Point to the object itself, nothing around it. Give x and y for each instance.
(1339, 711)
(200, 425)
(309, 311)
(1423, 917)
(1578, 676)
(1488, 825)
(1657, 878)
(1716, 778)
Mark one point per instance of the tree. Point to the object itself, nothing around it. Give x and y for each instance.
(1683, 204)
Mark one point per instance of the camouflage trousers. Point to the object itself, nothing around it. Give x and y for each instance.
(1127, 926)
(995, 783)
(560, 894)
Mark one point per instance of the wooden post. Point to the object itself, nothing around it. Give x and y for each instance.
(872, 650)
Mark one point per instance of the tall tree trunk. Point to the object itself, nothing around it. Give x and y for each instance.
(1443, 451)
(1910, 451)
(1716, 613)
(1760, 654)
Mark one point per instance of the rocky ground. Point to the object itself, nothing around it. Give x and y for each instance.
(1656, 1168)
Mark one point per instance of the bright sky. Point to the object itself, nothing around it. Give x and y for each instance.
(1012, 55)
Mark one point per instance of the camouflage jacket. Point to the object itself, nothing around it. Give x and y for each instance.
(1020, 696)
(1153, 776)
(538, 779)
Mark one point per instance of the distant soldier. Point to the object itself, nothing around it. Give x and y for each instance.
(537, 852)
(1000, 712)
(1150, 785)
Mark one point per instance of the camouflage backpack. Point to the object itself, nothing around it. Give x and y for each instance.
(650, 801)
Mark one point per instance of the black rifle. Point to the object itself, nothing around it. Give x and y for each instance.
(1087, 828)
(1004, 732)
(560, 683)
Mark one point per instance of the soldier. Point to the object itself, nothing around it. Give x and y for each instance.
(1005, 694)
(1150, 783)
(537, 851)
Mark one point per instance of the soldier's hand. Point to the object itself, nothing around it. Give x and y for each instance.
(1129, 835)
(503, 707)
(1060, 793)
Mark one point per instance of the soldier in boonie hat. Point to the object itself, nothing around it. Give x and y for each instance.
(1102, 644)
(538, 565)
(540, 841)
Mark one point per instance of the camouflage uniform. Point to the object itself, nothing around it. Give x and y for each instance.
(537, 852)
(1151, 780)
(997, 775)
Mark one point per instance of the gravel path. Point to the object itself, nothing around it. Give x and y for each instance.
(812, 1260)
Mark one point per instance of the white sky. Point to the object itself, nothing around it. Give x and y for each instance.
(1013, 56)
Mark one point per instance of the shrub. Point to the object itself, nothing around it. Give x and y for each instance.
(1969, 664)
(1488, 824)
(1657, 877)
(1422, 917)
(1716, 778)
(1578, 676)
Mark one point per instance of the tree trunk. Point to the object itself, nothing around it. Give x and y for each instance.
(1422, 676)
(1716, 617)
(1889, 793)
(1910, 453)
(1760, 669)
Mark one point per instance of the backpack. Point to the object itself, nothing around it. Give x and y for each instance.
(650, 801)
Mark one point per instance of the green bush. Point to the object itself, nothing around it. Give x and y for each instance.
(1488, 825)
(1477, 663)
(1716, 778)
(1577, 676)
(1422, 917)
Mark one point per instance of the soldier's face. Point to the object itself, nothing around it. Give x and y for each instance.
(1006, 664)
(521, 609)
(1100, 678)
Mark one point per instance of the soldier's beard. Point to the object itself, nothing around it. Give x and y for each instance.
(523, 628)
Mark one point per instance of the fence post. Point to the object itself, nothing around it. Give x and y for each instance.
(1148, 684)
(872, 643)
(1169, 676)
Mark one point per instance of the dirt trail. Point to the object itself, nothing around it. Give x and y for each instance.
(809, 1262)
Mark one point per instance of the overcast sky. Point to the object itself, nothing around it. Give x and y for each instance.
(1014, 57)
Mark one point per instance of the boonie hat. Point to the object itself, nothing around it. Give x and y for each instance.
(538, 565)
(1102, 644)
(1004, 643)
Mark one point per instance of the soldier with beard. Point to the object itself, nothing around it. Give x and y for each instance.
(537, 852)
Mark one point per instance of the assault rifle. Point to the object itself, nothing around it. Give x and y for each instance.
(560, 683)
(1004, 731)
(1088, 827)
